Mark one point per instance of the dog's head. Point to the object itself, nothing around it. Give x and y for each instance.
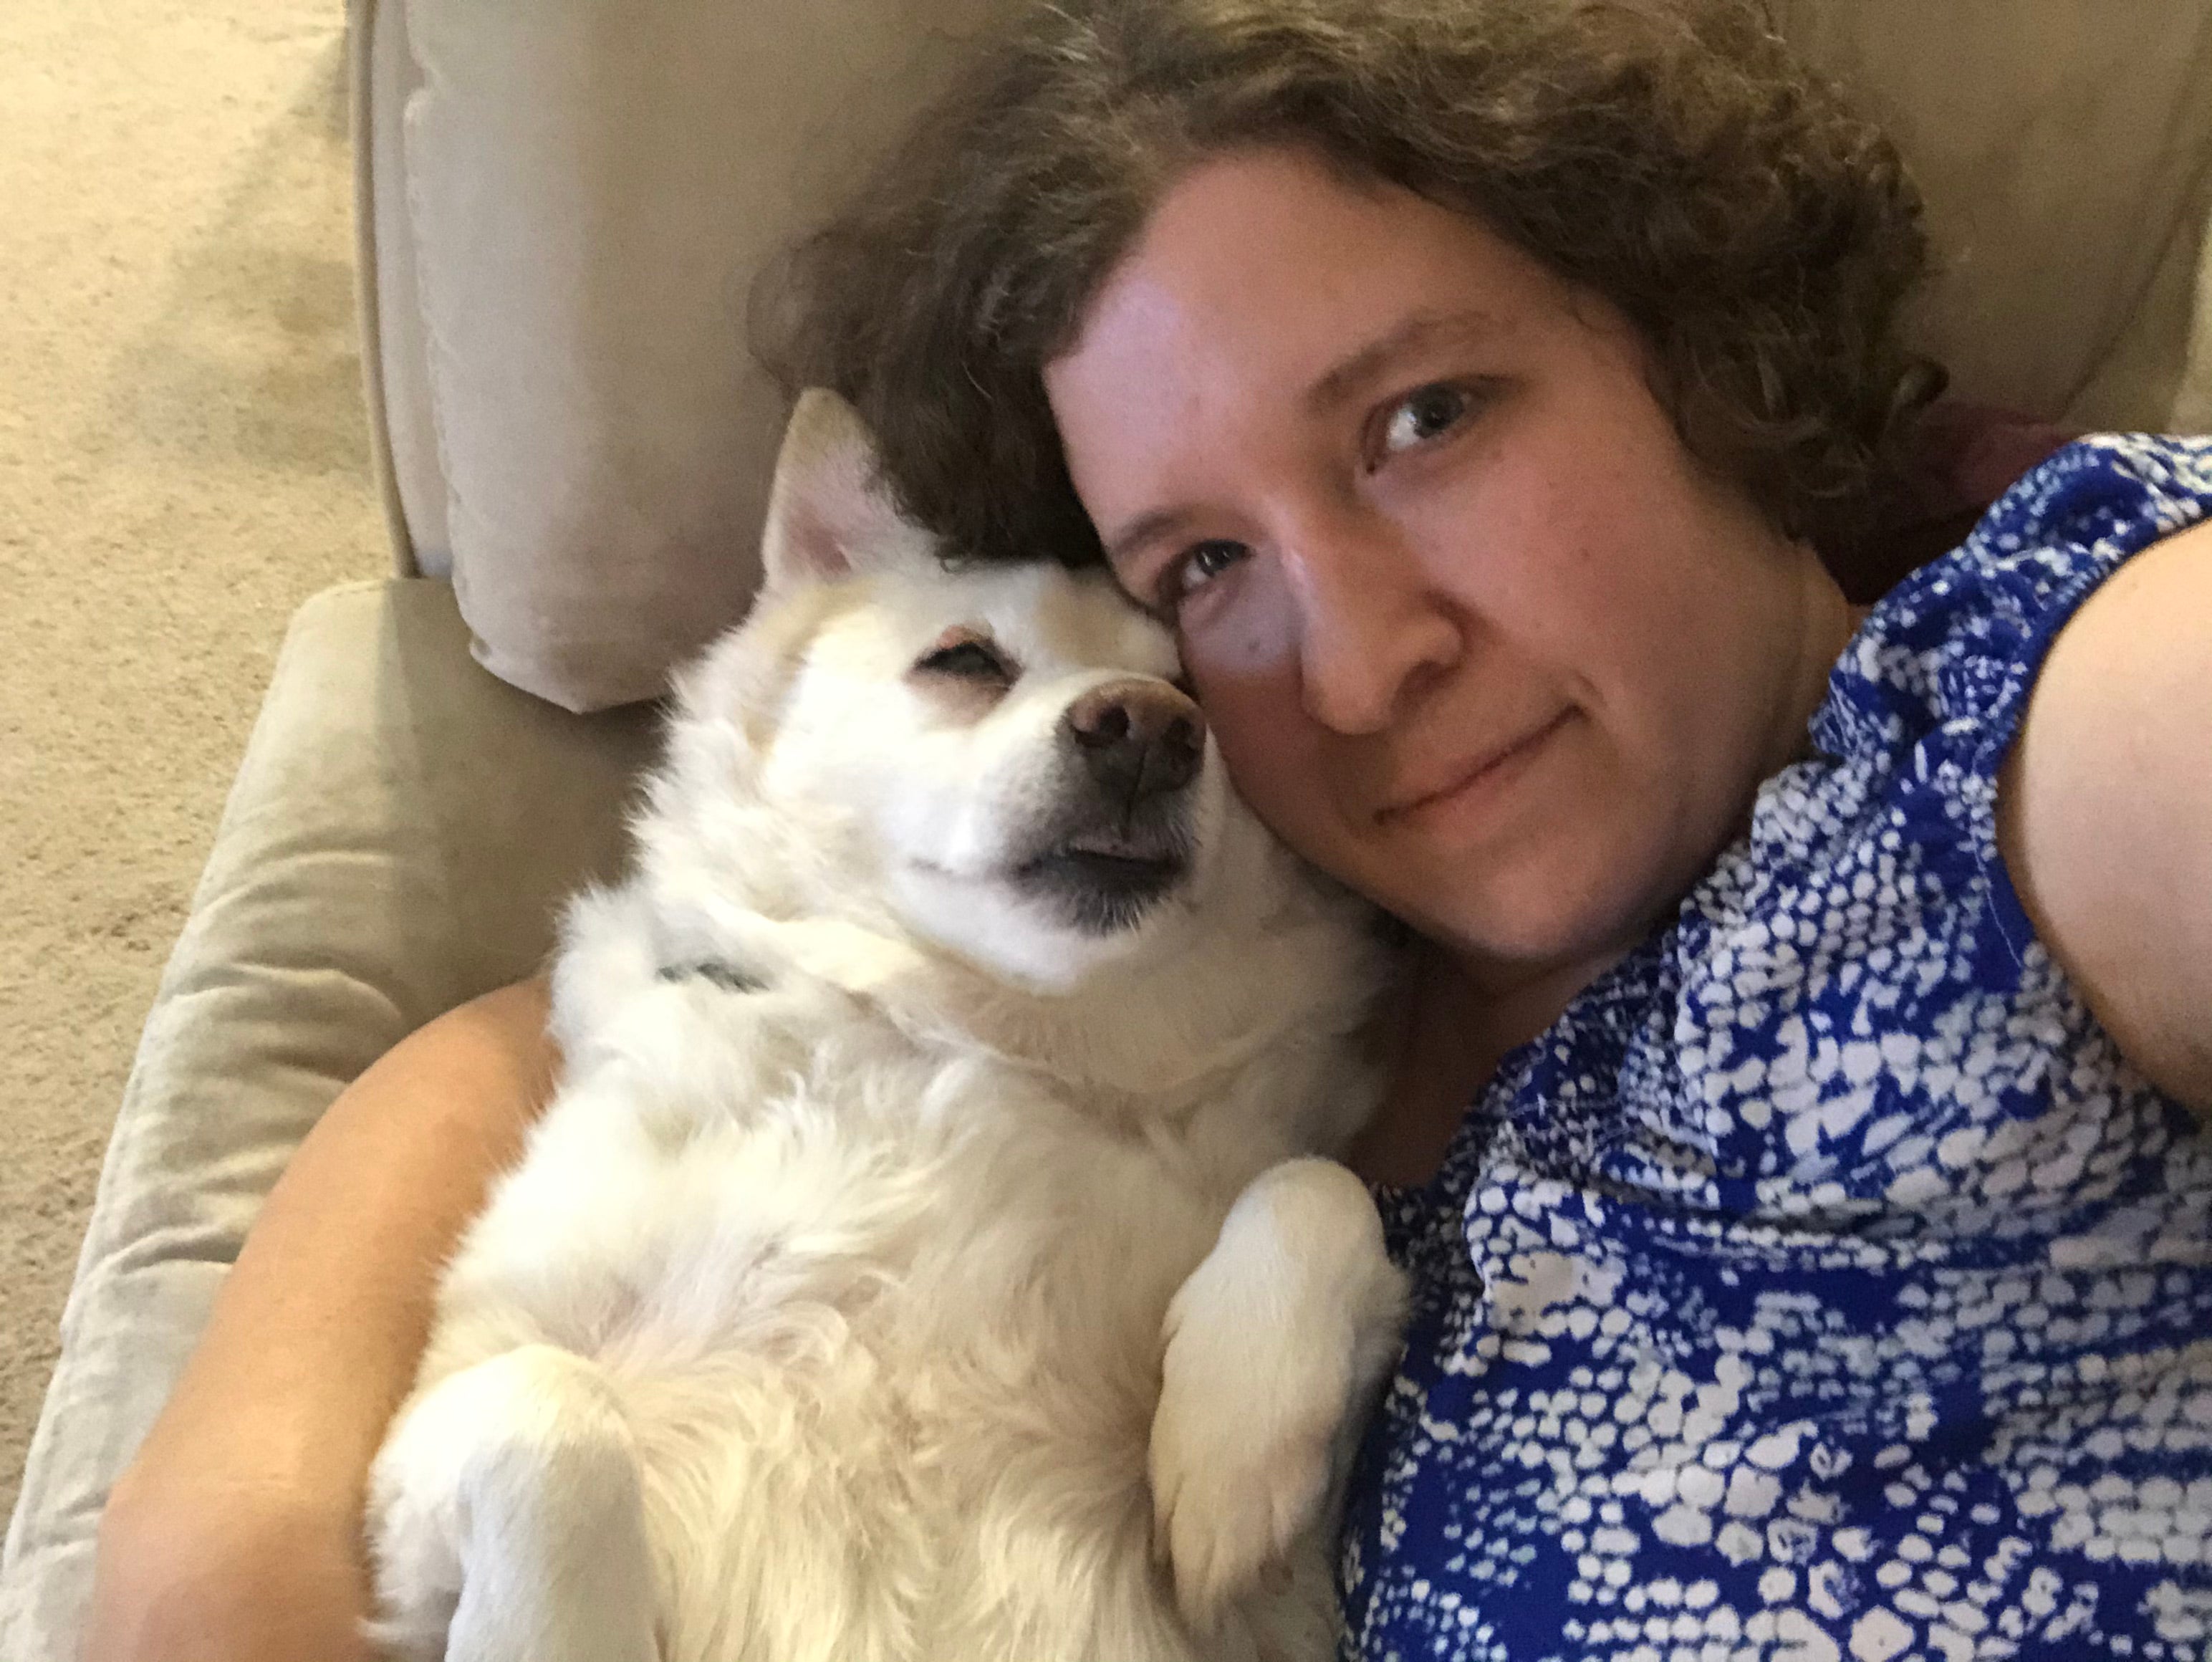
(997, 761)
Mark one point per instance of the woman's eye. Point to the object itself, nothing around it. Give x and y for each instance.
(1198, 565)
(1422, 415)
(969, 661)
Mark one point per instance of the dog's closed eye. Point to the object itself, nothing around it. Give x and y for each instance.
(965, 657)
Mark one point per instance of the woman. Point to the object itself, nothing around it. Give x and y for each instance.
(1820, 1267)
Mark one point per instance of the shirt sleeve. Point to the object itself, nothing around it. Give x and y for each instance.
(1935, 683)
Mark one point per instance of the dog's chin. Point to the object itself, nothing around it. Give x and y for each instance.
(1048, 920)
(1097, 888)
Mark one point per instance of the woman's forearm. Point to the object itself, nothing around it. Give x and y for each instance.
(317, 1332)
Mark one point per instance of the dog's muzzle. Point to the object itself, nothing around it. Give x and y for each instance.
(1136, 746)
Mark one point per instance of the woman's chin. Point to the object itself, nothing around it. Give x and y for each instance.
(1543, 910)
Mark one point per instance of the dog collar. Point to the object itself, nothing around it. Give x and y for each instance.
(731, 977)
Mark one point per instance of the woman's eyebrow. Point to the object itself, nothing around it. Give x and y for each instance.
(1419, 332)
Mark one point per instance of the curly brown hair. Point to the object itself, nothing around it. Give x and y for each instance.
(1667, 155)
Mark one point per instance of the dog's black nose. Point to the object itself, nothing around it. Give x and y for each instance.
(1137, 738)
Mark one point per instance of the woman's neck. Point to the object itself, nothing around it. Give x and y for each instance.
(1460, 1022)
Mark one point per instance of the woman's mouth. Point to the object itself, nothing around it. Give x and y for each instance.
(1476, 786)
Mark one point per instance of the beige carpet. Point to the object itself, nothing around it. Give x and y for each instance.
(183, 459)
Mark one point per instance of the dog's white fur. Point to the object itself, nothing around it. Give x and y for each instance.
(925, 1278)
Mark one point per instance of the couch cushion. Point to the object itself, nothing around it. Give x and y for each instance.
(399, 835)
(2066, 154)
(593, 187)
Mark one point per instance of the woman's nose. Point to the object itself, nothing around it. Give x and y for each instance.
(1373, 632)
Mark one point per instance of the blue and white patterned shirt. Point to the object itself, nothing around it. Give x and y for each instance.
(1824, 1284)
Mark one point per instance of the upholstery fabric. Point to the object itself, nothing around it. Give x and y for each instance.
(394, 349)
(593, 187)
(2065, 152)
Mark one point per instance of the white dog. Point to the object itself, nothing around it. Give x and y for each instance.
(925, 1260)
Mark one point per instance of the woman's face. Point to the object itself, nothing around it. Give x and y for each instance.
(1476, 633)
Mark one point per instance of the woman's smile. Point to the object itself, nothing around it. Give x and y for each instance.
(1473, 790)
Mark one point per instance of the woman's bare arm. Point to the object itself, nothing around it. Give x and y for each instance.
(2105, 810)
(235, 1532)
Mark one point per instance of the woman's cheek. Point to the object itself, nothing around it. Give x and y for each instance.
(1256, 722)
(1282, 781)
(1242, 626)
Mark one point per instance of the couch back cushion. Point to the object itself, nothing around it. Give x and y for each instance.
(2065, 151)
(589, 186)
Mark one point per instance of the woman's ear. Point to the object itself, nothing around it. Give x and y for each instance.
(829, 515)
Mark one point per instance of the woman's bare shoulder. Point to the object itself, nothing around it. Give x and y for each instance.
(2105, 810)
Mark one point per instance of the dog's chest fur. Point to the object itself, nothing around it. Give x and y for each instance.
(873, 1299)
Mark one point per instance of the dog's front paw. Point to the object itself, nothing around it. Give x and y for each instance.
(1272, 1347)
(1242, 1445)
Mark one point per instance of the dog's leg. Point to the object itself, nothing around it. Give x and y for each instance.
(507, 1522)
(1274, 1347)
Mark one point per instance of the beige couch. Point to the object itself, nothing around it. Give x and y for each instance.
(561, 206)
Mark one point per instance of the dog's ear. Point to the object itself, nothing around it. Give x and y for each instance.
(829, 515)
